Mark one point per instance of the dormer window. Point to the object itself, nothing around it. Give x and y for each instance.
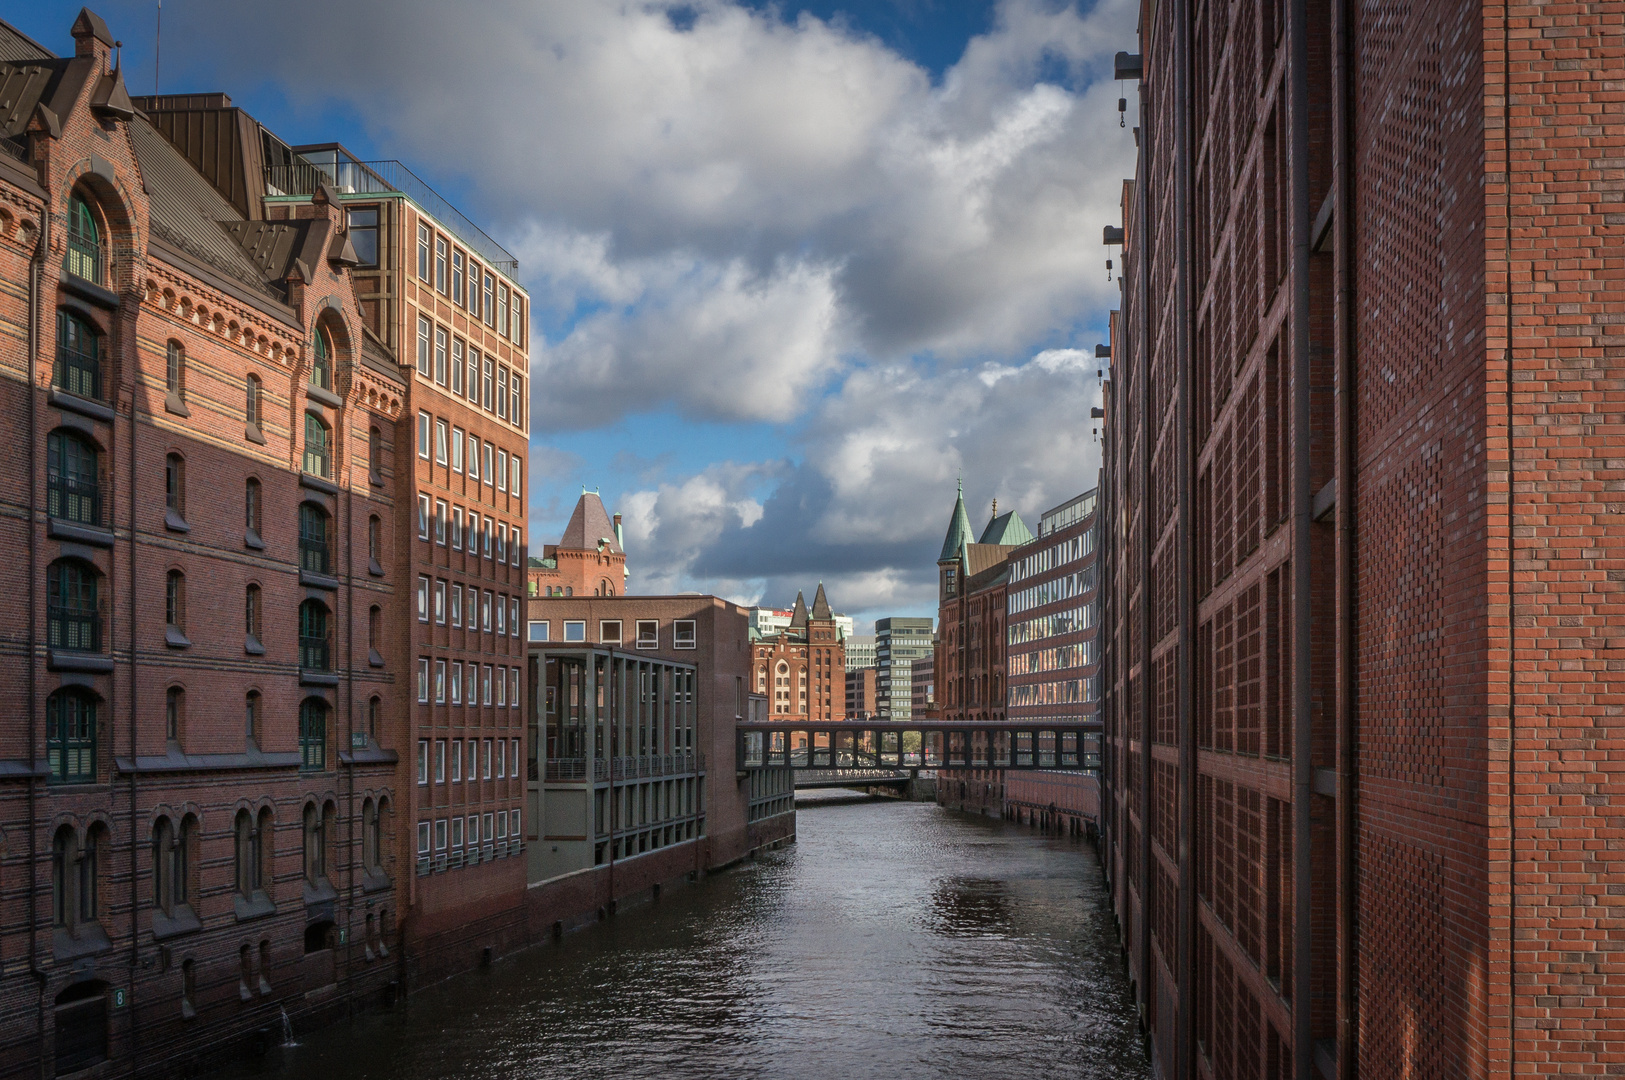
(84, 242)
(321, 368)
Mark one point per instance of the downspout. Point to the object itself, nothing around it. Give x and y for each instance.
(135, 771)
(1344, 345)
(1142, 376)
(36, 268)
(1302, 699)
(349, 730)
(1184, 976)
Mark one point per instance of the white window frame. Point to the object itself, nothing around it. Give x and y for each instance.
(456, 682)
(440, 522)
(485, 684)
(513, 688)
(456, 604)
(473, 456)
(513, 616)
(423, 435)
(488, 478)
(440, 601)
(440, 347)
(580, 625)
(485, 612)
(423, 680)
(651, 642)
(423, 761)
(423, 598)
(424, 510)
(457, 449)
(423, 838)
(515, 488)
(516, 540)
(457, 528)
(543, 626)
(502, 471)
(457, 761)
(486, 772)
(439, 682)
(441, 428)
(677, 628)
(424, 334)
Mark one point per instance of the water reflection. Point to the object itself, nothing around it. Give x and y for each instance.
(894, 940)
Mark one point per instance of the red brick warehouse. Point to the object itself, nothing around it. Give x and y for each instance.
(1360, 686)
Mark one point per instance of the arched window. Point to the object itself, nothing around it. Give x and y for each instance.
(251, 618)
(70, 736)
(251, 716)
(321, 367)
(315, 845)
(175, 373)
(375, 623)
(170, 866)
(318, 456)
(75, 883)
(175, 488)
(175, 601)
(72, 478)
(375, 454)
(369, 835)
(251, 839)
(375, 543)
(73, 619)
(375, 705)
(314, 541)
(251, 511)
(174, 713)
(252, 404)
(313, 636)
(78, 368)
(313, 735)
(84, 259)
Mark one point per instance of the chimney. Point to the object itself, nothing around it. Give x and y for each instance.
(618, 542)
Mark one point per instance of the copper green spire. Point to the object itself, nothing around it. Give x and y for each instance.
(959, 533)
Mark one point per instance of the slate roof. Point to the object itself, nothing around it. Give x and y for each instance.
(588, 525)
(798, 614)
(980, 557)
(820, 608)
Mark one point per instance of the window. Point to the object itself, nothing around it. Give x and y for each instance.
(423, 598)
(424, 513)
(682, 632)
(516, 410)
(502, 471)
(473, 375)
(250, 838)
(251, 512)
(175, 601)
(321, 364)
(473, 819)
(456, 604)
(423, 839)
(485, 697)
(473, 458)
(518, 546)
(502, 621)
(423, 680)
(488, 477)
(485, 384)
(457, 277)
(440, 264)
(315, 832)
(318, 455)
(174, 704)
(84, 259)
(513, 701)
(253, 403)
(457, 684)
(457, 366)
(513, 478)
(648, 634)
(75, 884)
(473, 597)
(423, 346)
(486, 772)
(502, 686)
(313, 636)
(175, 373)
(440, 761)
(502, 753)
(457, 528)
(502, 392)
(175, 488)
(485, 612)
(502, 310)
(440, 835)
(575, 630)
(169, 864)
(440, 602)
(423, 761)
(502, 542)
(375, 543)
(440, 439)
(314, 540)
(78, 368)
(363, 226)
(456, 449)
(513, 615)
(70, 736)
(490, 529)
(516, 321)
(372, 835)
(251, 716)
(488, 307)
(73, 481)
(73, 617)
(313, 735)
(440, 355)
(375, 454)
(538, 630)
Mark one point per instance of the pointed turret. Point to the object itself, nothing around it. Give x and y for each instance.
(959, 533)
(820, 608)
(798, 616)
(1005, 529)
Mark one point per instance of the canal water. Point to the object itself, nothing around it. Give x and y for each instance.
(893, 940)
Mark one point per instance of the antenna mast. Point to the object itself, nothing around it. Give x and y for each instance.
(158, 48)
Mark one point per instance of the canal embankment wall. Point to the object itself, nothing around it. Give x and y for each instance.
(1060, 801)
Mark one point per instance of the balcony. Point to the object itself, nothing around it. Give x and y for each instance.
(352, 177)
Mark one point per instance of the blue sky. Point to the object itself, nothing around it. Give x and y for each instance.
(795, 267)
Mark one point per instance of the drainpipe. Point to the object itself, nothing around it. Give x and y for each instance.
(349, 729)
(135, 697)
(36, 267)
(1302, 698)
(1143, 378)
(1184, 975)
(1344, 344)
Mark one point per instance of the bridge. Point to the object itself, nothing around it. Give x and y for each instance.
(891, 746)
(807, 779)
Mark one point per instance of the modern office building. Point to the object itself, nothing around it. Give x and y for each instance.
(900, 642)
(860, 651)
(1360, 540)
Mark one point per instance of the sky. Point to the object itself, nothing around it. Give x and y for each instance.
(795, 269)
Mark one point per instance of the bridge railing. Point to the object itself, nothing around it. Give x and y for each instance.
(631, 767)
(932, 745)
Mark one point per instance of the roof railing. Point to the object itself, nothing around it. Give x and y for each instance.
(351, 177)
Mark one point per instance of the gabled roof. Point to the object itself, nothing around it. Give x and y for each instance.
(589, 526)
(798, 614)
(820, 608)
(959, 533)
(979, 557)
(1006, 529)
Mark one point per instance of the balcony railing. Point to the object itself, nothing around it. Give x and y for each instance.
(626, 768)
(78, 372)
(74, 498)
(313, 653)
(387, 178)
(74, 629)
(84, 259)
(318, 463)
